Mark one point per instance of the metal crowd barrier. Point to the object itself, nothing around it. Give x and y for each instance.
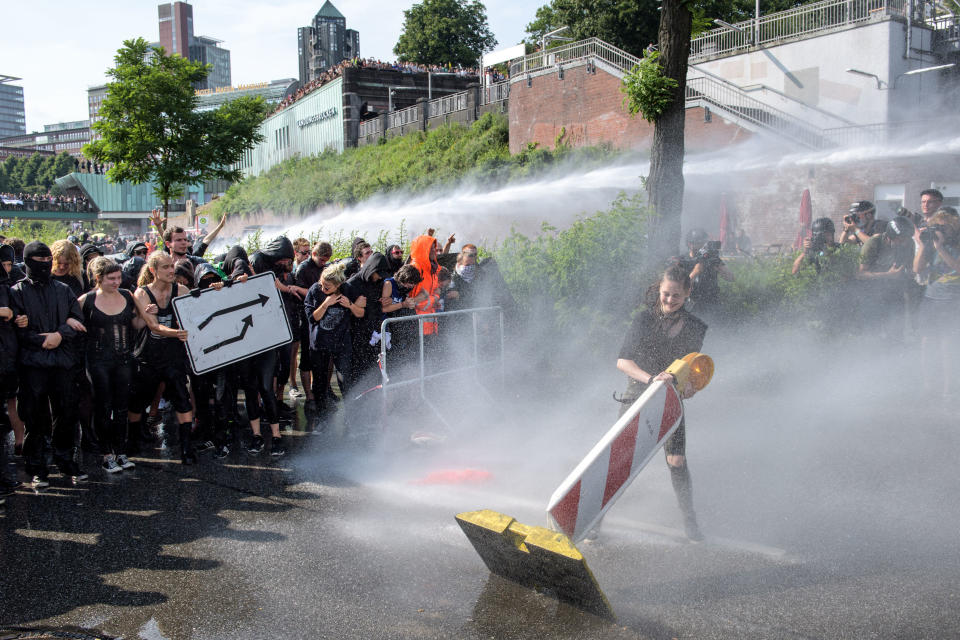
(422, 376)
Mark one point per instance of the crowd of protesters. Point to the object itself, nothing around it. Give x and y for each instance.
(336, 71)
(43, 202)
(93, 359)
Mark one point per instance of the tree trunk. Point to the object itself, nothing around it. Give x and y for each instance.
(665, 182)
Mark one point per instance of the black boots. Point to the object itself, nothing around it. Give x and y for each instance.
(187, 454)
(683, 488)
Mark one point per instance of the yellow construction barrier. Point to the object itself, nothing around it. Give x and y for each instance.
(534, 557)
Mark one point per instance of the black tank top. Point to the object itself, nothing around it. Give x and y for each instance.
(109, 336)
(159, 351)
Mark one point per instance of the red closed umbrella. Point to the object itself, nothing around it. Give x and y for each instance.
(806, 218)
(724, 220)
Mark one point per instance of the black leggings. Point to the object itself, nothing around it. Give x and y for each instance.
(321, 377)
(111, 392)
(284, 356)
(259, 373)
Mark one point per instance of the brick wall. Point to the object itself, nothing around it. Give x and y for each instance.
(587, 109)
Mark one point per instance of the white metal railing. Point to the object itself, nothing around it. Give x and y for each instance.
(370, 127)
(591, 48)
(797, 22)
(403, 116)
(730, 98)
(495, 92)
(447, 104)
(464, 362)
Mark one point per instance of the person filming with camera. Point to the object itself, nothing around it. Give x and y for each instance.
(820, 242)
(861, 223)
(937, 265)
(705, 267)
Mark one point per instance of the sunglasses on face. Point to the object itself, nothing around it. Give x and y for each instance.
(303, 253)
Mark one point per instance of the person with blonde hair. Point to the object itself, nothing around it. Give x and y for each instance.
(67, 266)
(330, 303)
(161, 355)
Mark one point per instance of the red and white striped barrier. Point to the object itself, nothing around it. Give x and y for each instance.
(605, 473)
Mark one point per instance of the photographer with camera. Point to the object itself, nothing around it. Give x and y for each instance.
(937, 265)
(860, 223)
(886, 267)
(704, 266)
(820, 242)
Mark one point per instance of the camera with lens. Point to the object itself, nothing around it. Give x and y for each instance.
(710, 251)
(928, 234)
(852, 218)
(915, 218)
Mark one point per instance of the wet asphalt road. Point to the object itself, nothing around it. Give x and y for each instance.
(816, 528)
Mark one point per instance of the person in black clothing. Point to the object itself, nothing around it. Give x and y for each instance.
(704, 266)
(660, 334)
(365, 329)
(110, 316)
(160, 354)
(329, 306)
(47, 356)
(276, 257)
(307, 275)
(88, 252)
(8, 374)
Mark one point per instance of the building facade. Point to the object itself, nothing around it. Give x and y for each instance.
(325, 43)
(272, 92)
(61, 137)
(177, 36)
(13, 119)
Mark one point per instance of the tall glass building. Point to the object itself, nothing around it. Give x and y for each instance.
(13, 120)
(325, 43)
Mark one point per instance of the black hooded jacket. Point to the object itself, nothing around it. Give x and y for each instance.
(8, 335)
(236, 263)
(47, 306)
(205, 269)
(277, 249)
(363, 284)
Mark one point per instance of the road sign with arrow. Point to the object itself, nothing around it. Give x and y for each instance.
(234, 323)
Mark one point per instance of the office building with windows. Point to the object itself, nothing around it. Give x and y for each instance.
(13, 120)
(325, 43)
(176, 36)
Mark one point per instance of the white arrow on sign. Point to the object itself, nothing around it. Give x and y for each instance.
(234, 323)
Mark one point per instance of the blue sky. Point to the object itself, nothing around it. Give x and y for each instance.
(61, 47)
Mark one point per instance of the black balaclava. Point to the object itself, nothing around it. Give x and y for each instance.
(36, 270)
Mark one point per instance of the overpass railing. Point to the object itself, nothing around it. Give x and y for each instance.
(798, 22)
(36, 206)
(572, 52)
(495, 92)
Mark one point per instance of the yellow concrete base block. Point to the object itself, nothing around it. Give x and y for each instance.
(534, 557)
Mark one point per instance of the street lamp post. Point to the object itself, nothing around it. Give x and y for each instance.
(886, 86)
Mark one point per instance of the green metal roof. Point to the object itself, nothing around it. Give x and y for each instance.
(329, 11)
(116, 198)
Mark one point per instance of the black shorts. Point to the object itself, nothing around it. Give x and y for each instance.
(149, 378)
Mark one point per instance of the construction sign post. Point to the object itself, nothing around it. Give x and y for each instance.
(232, 324)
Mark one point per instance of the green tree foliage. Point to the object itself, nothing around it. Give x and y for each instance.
(151, 130)
(648, 92)
(632, 24)
(412, 163)
(35, 173)
(445, 31)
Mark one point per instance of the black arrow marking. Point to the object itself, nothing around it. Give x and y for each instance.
(247, 323)
(262, 300)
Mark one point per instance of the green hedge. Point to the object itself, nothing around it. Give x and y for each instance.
(413, 163)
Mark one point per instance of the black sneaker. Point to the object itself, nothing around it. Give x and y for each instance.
(256, 445)
(284, 409)
(221, 452)
(277, 449)
(124, 462)
(692, 530)
(40, 482)
(203, 445)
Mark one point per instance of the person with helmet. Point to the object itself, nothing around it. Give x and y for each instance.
(886, 267)
(861, 223)
(889, 255)
(820, 242)
(704, 266)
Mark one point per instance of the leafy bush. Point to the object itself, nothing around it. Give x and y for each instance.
(414, 163)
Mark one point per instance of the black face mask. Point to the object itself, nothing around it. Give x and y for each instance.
(38, 271)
